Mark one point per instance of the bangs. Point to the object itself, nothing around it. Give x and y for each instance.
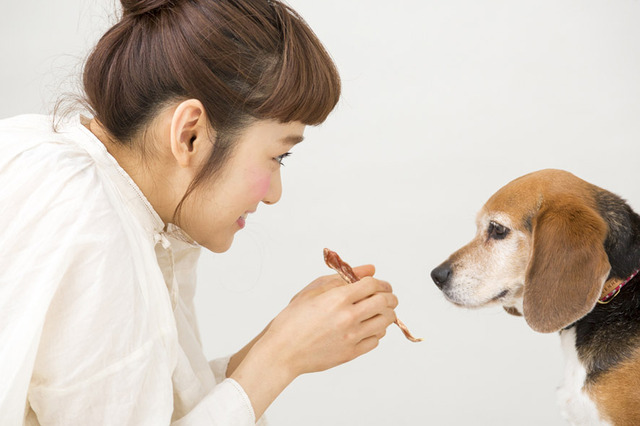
(303, 84)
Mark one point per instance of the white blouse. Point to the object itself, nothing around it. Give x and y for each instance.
(97, 323)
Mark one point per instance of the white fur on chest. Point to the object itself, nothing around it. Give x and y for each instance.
(577, 407)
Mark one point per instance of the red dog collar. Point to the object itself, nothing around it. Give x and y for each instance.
(613, 293)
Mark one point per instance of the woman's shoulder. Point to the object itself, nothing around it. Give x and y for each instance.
(47, 177)
(25, 122)
(24, 131)
(62, 185)
(32, 144)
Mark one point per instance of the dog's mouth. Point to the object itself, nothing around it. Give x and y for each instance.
(500, 295)
(472, 304)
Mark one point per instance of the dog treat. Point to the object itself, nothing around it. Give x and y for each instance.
(345, 271)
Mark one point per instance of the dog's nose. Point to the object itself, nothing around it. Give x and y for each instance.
(441, 274)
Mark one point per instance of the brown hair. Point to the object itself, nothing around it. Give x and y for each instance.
(244, 60)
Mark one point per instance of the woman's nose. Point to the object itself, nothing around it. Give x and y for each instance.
(275, 189)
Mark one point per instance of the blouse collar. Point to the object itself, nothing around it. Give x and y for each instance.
(132, 193)
(133, 196)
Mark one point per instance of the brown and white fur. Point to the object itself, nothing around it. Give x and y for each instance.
(548, 245)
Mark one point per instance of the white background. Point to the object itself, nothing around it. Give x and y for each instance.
(443, 103)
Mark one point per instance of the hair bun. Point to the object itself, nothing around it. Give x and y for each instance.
(131, 8)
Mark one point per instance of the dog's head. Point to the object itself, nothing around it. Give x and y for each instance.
(538, 251)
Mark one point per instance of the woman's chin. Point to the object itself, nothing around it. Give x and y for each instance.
(218, 246)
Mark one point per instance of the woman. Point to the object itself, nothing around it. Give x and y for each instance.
(195, 105)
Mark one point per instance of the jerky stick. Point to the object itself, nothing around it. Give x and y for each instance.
(343, 269)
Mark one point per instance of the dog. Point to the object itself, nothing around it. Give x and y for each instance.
(564, 254)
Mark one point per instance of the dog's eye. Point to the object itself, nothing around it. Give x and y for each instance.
(497, 231)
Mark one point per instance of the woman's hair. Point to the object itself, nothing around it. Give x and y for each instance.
(245, 60)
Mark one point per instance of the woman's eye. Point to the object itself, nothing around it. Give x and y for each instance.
(497, 231)
(280, 158)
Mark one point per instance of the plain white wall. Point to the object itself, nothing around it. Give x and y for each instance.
(444, 102)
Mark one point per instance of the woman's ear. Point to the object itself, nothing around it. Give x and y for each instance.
(190, 133)
(568, 264)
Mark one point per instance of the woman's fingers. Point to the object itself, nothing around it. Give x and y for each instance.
(330, 281)
(377, 325)
(372, 331)
(365, 288)
(366, 345)
(378, 303)
(376, 313)
(319, 286)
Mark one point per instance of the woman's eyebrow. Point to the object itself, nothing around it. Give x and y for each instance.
(292, 139)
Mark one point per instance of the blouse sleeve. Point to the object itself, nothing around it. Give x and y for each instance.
(226, 405)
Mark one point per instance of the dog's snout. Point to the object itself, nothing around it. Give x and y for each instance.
(441, 274)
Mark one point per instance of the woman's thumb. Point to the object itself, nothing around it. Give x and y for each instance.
(364, 271)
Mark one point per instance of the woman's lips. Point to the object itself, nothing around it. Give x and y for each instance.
(242, 220)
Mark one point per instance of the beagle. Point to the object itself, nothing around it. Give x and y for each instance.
(564, 254)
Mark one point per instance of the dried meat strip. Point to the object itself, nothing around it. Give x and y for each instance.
(345, 271)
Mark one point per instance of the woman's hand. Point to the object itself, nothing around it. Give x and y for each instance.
(328, 323)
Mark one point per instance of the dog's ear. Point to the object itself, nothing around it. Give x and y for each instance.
(568, 264)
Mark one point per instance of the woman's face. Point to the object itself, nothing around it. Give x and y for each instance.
(217, 210)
